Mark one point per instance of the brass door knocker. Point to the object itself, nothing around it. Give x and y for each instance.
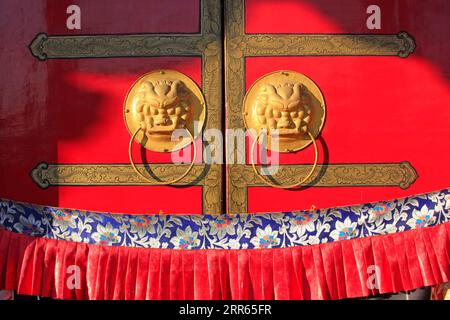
(290, 108)
(291, 186)
(159, 103)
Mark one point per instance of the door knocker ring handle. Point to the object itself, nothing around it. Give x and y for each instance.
(130, 154)
(292, 186)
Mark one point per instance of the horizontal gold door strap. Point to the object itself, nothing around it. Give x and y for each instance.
(46, 46)
(400, 174)
(46, 175)
(400, 44)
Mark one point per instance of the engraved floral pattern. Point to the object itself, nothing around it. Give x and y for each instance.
(344, 230)
(106, 235)
(239, 231)
(422, 218)
(266, 238)
(185, 239)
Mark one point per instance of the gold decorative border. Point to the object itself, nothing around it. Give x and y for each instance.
(239, 45)
(206, 44)
(401, 44)
(46, 175)
(358, 174)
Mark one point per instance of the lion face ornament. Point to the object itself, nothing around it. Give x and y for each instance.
(287, 105)
(163, 106)
(161, 102)
(282, 108)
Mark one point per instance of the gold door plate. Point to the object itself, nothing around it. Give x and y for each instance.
(160, 102)
(288, 105)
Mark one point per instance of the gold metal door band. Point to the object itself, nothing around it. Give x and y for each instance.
(238, 45)
(400, 175)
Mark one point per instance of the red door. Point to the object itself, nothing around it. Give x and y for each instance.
(63, 137)
(64, 141)
(386, 127)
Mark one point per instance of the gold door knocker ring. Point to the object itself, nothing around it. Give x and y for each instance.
(173, 181)
(292, 186)
(291, 104)
(159, 103)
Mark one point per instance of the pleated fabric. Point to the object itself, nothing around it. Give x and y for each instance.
(69, 270)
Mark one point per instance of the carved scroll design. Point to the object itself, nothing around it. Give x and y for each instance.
(234, 96)
(239, 45)
(337, 175)
(208, 177)
(401, 44)
(333, 175)
(148, 45)
(46, 175)
(46, 47)
(212, 89)
(207, 44)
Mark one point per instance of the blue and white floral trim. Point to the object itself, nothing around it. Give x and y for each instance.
(241, 231)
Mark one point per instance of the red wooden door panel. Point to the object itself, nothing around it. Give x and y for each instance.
(71, 111)
(379, 109)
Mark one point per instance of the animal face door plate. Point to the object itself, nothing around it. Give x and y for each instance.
(289, 109)
(289, 106)
(312, 87)
(158, 105)
(161, 102)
